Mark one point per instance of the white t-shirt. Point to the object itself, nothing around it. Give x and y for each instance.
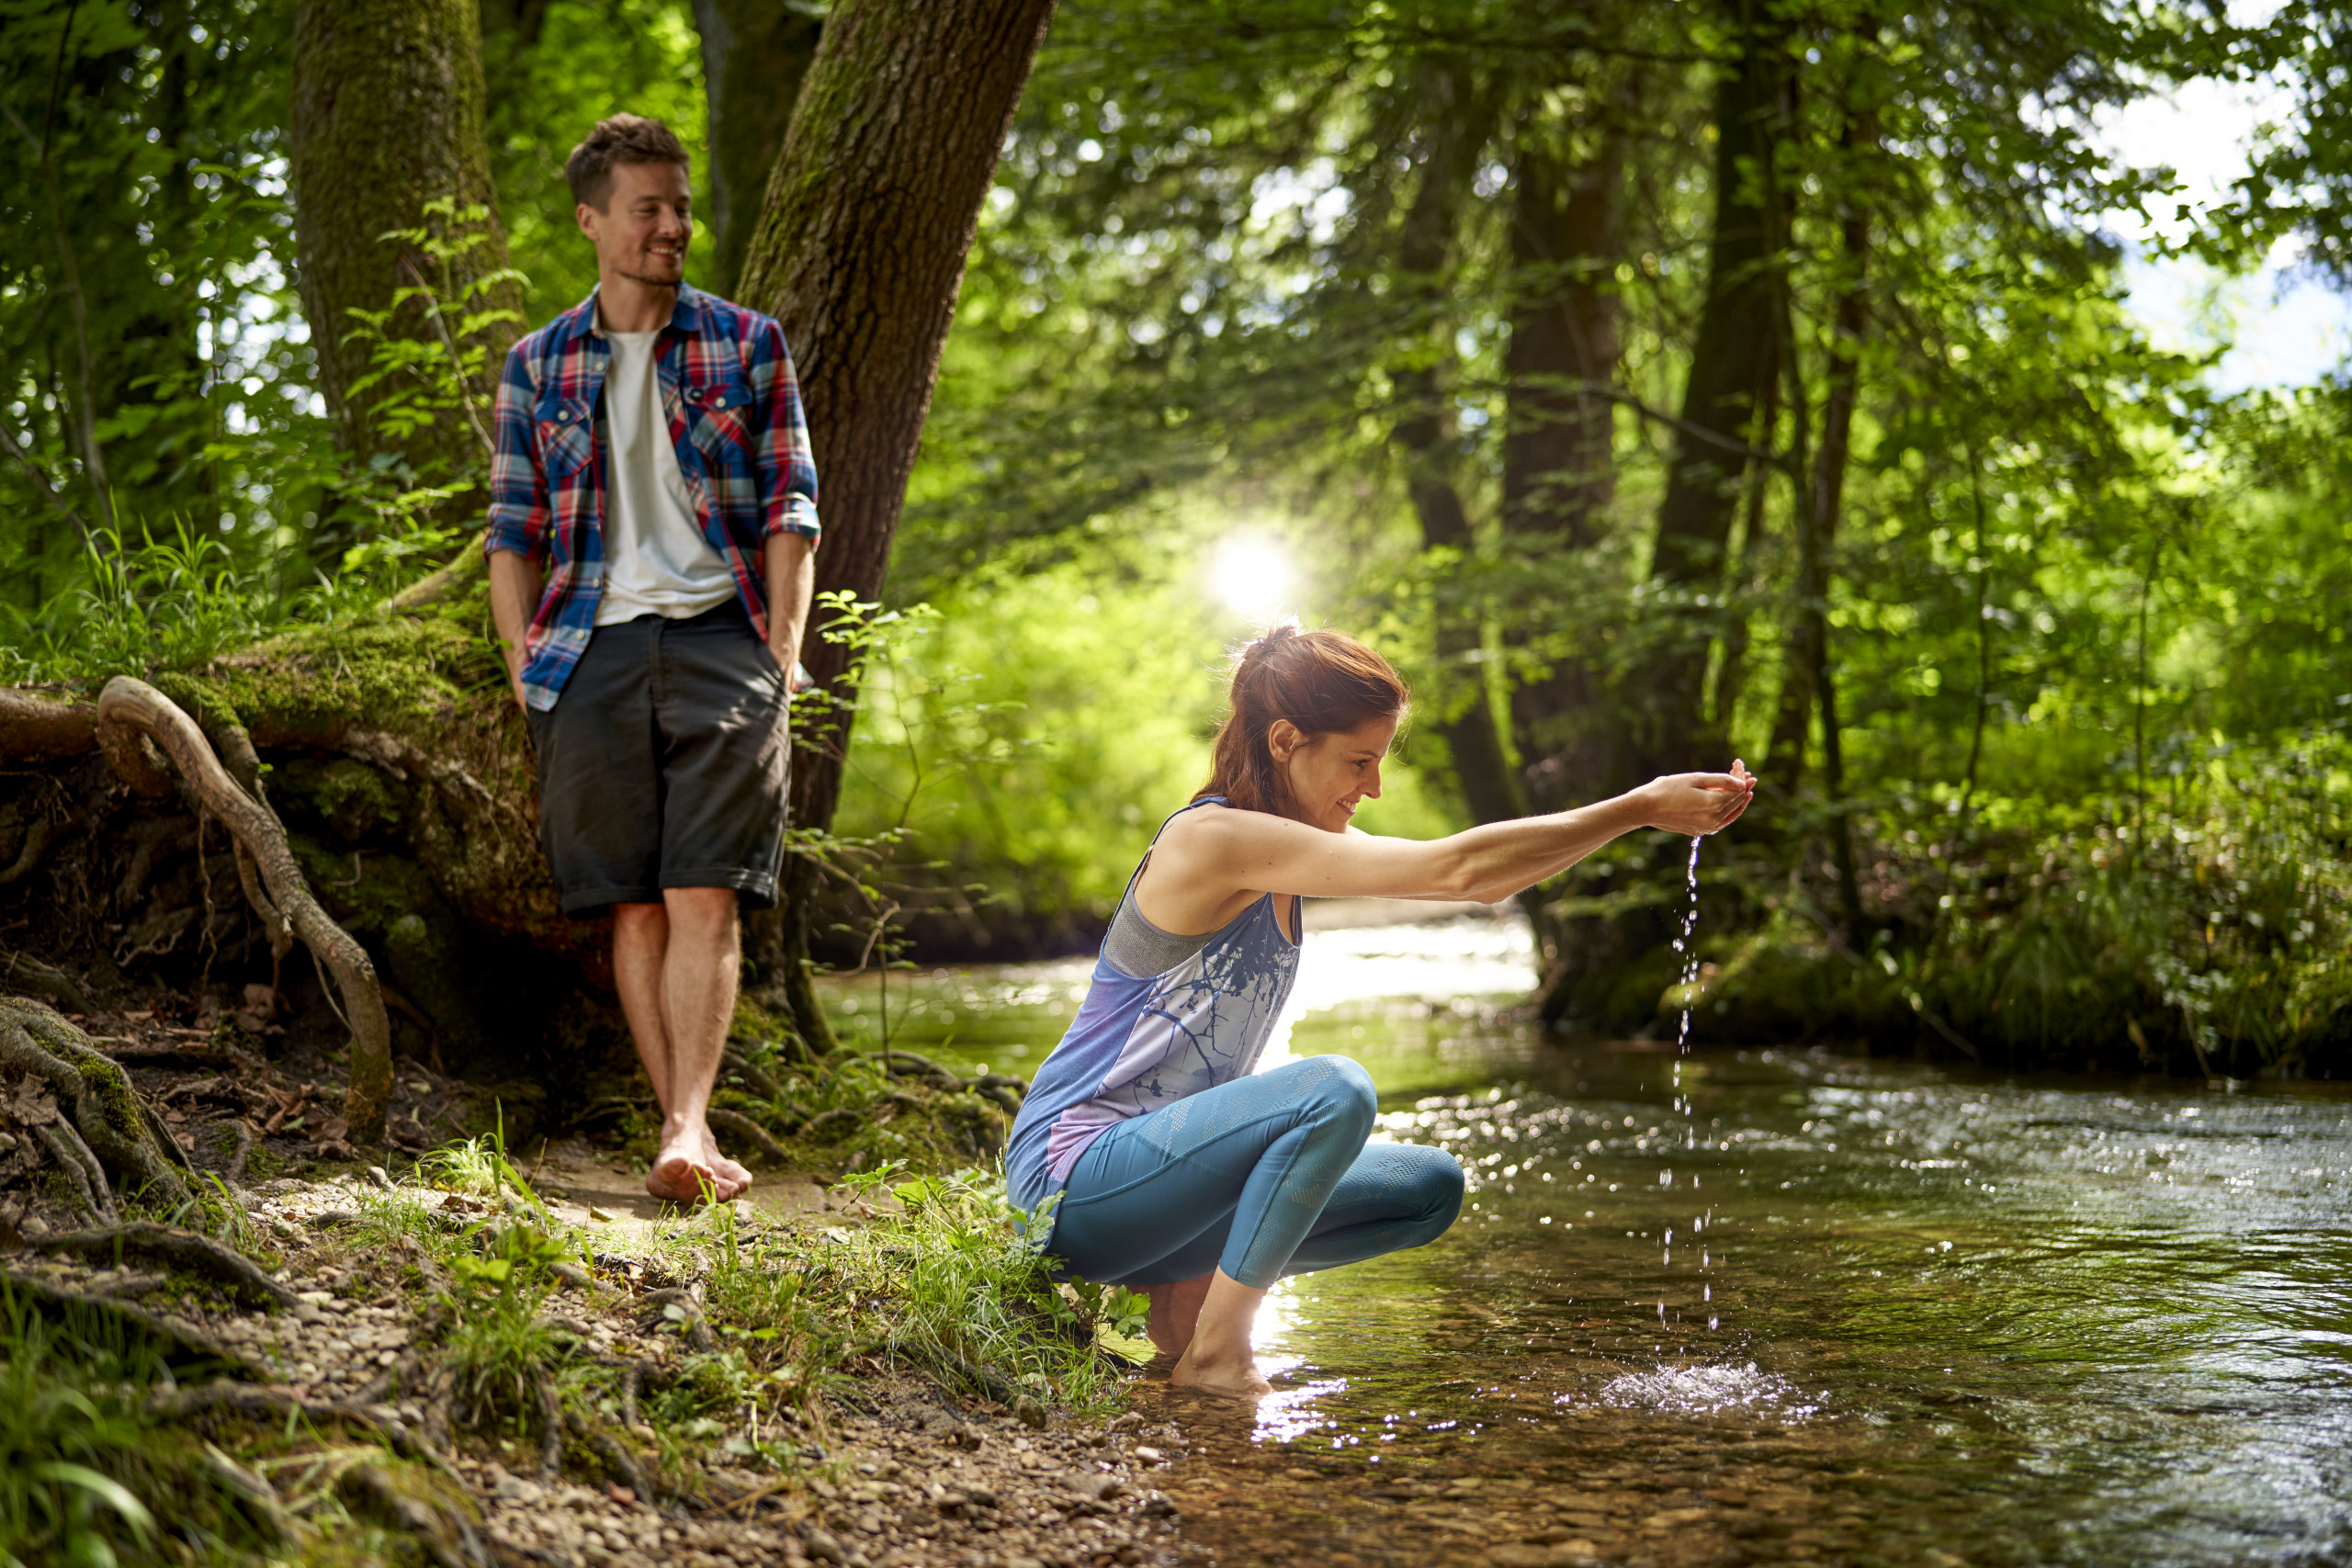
(656, 559)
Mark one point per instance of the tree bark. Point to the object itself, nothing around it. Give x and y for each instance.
(1808, 682)
(1452, 135)
(1823, 499)
(387, 116)
(1728, 363)
(859, 253)
(754, 54)
(1558, 473)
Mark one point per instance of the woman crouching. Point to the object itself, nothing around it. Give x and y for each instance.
(1173, 1170)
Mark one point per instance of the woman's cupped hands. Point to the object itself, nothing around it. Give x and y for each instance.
(1698, 804)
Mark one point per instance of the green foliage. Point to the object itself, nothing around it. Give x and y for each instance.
(1222, 288)
(946, 1279)
(88, 1478)
(1029, 732)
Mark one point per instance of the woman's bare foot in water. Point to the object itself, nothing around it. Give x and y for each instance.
(1175, 1310)
(1218, 1360)
(1232, 1379)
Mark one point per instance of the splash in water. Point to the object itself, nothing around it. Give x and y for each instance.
(1702, 1390)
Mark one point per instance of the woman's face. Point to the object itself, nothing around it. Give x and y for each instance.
(1328, 775)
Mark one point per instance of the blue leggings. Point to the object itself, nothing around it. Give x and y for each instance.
(1261, 1176)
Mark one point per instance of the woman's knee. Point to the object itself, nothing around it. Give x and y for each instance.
(1343, 1091)
(1436, 1184)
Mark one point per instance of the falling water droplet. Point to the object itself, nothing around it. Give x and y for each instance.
(1685, 946)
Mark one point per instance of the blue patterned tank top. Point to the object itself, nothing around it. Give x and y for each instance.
(1142, 1041)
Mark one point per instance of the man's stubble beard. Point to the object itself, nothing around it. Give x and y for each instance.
(643, 280)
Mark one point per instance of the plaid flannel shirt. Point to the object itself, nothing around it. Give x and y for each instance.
(734, 410)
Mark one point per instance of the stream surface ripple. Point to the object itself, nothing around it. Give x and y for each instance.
(1907, 1314)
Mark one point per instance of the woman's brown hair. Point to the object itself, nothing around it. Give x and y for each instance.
(1324, 682)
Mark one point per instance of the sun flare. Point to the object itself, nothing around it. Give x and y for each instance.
(1253, 578)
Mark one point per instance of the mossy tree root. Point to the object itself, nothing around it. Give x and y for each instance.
(80, 1167)
(130, 709)
(448, 1538)
(183, 1249)
(117, 1126)
(623, 1464)
(32, 974)
(751, 1132)
(187, 1345)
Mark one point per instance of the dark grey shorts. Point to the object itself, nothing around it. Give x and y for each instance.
(662, 764)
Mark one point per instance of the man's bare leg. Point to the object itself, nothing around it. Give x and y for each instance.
(1175, 1313)
(676, 964)
(1219, 1360)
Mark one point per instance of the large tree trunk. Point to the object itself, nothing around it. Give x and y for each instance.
(859, 252)
(1603, 970)
(1806, 682)
(386, 117)
(1729, 363)
(754, 53)
(1452, 135)
(1558, 467)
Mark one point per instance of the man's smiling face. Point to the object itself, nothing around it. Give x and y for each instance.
(646, 224)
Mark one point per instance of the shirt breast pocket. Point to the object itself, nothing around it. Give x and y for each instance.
(718, 422)
(567, 437)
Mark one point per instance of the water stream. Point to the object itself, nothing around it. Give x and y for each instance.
(1933, 1316)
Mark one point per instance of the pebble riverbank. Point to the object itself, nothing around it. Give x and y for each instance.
(898, 1470)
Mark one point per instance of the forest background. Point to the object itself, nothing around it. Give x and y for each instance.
(1654, 382)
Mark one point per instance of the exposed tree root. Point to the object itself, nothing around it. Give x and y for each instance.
(632, 1382)
(80, 1167)
(38, 837)
(766, 1087)
(189, 1344)
(37, 728)
(836, 1124)
(695, 1326)
(910, 1064)
(182, 1249)
(624, 1465)
(446, 1535)
(260, 1497)
(743, 1127)
(130, 713)
(551, 1405)
(947, 1364)
(117, 1126)
(234, 1173)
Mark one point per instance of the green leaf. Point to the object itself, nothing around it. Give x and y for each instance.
(103, 1488)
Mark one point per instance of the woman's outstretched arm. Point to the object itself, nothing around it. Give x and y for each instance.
(1205, 857)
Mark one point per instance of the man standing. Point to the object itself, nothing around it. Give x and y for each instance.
(653, 514)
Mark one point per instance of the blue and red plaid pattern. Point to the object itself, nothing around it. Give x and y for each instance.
(734, 408)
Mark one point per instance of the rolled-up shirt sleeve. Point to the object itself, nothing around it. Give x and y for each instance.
(519, 488)
(787, 468)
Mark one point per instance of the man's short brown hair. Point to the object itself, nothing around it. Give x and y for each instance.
(623, 139)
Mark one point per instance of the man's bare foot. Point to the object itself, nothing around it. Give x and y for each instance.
(683, 1173)
(1175, 1310)
(1237, 1379)
(724, 1168)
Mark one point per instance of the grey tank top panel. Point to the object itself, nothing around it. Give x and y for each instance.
(1138, 948)
(1134, 946)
